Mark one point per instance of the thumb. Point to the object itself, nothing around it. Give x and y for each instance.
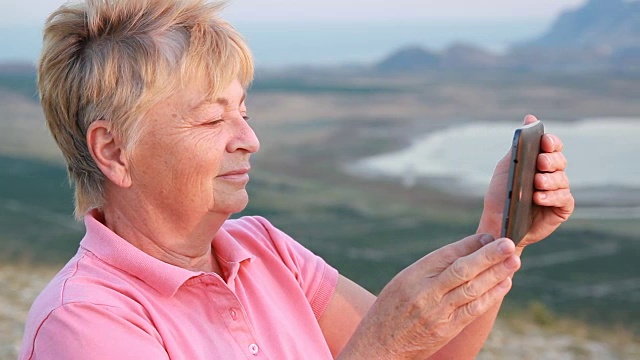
(435, 262)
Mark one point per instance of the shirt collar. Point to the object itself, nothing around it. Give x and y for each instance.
(163, 277)
(230, 253)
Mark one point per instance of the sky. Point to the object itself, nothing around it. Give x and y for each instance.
(33, 12)
(291, 32)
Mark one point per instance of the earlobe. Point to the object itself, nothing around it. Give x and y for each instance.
(108, 153)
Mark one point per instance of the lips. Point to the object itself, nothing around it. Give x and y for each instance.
(241, 171)
(238, 175)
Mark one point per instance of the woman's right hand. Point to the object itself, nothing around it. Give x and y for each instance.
(426, 305)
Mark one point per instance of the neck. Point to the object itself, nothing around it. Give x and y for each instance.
(183, 240)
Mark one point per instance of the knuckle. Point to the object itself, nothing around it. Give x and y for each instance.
(474, 308)
(424, 303)
(556, 180)
(469, 291)
(460, 270)
(448, 253)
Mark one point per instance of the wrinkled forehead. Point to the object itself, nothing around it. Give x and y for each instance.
(196, 98)
(201, 88)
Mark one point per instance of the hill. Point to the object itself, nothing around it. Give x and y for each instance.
(459, 56)
(602, 35)
(609, 25)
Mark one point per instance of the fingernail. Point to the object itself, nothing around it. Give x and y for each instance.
(485, 239)
(506, 247)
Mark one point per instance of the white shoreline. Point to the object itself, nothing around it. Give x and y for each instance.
(602, 155)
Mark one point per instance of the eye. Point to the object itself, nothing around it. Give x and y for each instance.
(213, 122)
(246, 118)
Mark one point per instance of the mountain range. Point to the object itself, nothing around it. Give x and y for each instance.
(600, 35)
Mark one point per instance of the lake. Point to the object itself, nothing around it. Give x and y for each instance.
(602, 153)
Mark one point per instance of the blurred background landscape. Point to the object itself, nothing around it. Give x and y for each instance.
(380, 128)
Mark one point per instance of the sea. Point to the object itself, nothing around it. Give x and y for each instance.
(602, 156)
(282, 44)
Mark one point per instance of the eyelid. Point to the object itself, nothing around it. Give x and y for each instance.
(214, 121)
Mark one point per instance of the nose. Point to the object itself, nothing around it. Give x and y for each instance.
(244, 138)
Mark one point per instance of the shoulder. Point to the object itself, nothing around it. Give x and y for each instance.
(86, 285)
(53, 295)
(85, 279)
(81, 330)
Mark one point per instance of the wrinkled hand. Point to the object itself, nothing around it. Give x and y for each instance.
(429, 303)
(553, 202)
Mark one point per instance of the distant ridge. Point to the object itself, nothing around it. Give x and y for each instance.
(610, 25)
(408, 59)
(456, 57)
(602, 35)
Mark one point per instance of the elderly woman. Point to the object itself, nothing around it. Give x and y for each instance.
(146, 99)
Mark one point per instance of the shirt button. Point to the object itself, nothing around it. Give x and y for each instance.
(253, 349)
(234, 314)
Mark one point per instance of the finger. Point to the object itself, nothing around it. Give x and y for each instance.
(529, 119)
(558, 198)
(550, 162)
(466, 268)
(551, 143)
(442, 258)
(484, 282)
(470, 311)
(551, 181)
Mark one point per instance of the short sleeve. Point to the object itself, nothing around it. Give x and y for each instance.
(317, 279)
(112, 334)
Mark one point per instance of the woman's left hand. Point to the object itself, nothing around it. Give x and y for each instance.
(553, 202)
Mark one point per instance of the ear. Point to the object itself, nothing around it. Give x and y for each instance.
(108, 153)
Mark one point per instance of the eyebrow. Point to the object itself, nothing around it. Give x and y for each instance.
(221, 101)
(225, 102)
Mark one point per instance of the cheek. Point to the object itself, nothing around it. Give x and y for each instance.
(178, 160)
(196, 162)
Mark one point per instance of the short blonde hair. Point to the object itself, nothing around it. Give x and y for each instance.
(114, 59)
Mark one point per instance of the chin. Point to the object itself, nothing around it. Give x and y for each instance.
(234, 205)
(239, 208)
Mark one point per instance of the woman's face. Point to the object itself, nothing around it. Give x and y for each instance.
(193, 155)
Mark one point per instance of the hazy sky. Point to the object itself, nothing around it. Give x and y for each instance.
(33, 12)
(284, 32)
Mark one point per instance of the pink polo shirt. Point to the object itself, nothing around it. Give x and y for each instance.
(113, 301)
